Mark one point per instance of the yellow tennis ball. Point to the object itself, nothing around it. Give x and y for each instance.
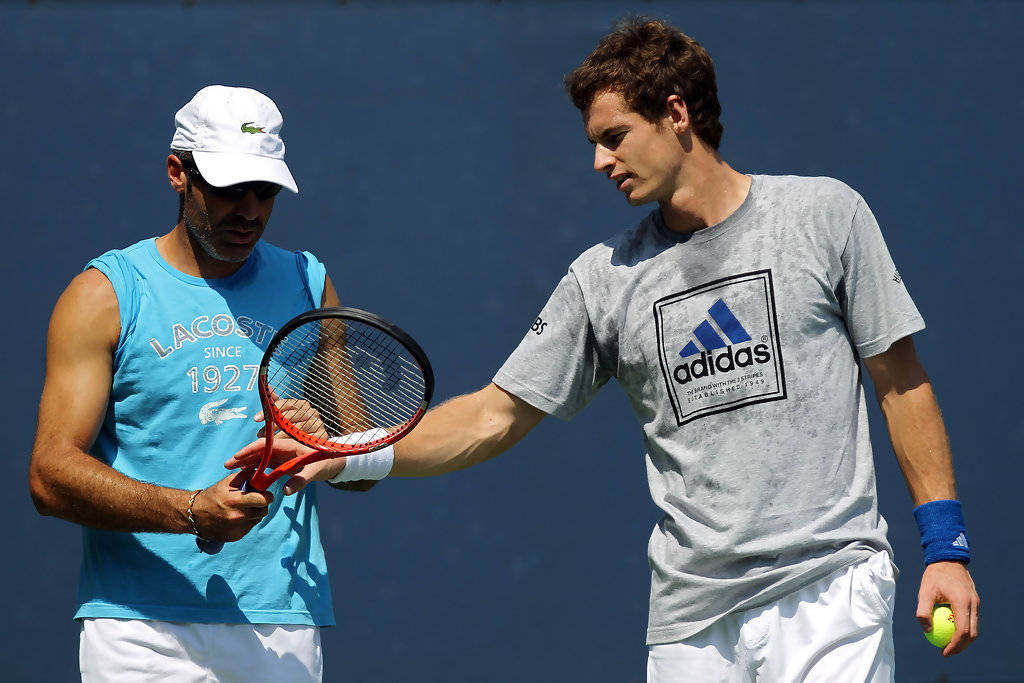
(943, 626)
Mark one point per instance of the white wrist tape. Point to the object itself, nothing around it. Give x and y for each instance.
(374, 465)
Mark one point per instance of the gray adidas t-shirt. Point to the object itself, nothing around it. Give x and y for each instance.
(738, 348)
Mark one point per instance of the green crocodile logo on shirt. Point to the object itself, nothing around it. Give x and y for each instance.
(248, 128)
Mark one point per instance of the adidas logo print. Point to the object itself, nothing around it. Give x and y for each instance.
(719, 347)
(961, 541)
(710, 337)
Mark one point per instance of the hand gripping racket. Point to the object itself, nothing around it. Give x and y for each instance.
(328, 377)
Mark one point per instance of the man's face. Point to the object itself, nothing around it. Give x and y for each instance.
(226, 228)
(642, 158)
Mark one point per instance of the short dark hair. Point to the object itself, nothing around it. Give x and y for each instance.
(187, 160)
(647, 61)
(189, 164)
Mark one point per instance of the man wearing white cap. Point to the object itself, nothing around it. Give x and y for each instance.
(152, 356)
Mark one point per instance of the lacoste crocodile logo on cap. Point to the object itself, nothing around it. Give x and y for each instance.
(247, 127)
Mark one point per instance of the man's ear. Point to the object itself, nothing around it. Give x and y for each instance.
(676, 110)
(176, 174)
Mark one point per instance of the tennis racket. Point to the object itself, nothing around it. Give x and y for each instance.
(340, 380)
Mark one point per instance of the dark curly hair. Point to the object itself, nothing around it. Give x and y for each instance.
(647, 61)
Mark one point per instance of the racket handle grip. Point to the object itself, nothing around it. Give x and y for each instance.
(214, 547)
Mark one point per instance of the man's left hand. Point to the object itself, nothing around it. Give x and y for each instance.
(950, 582)
(285, 449)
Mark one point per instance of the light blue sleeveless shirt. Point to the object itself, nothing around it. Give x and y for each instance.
(181, 402)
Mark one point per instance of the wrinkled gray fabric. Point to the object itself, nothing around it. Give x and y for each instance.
(738, 347)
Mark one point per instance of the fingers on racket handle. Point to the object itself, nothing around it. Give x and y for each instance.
(209, 547)
(214, 547)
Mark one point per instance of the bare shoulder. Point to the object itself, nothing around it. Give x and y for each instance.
(92, 284)
(80, 345)
(87, 310)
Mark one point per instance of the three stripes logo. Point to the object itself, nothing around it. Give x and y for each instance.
(961, 541)
(710, 337)
(719, 347)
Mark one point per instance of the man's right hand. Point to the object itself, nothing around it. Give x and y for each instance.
(223, 512)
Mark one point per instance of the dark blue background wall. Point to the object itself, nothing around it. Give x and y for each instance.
(446, 183)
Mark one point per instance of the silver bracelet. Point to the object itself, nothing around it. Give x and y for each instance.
(188, 512)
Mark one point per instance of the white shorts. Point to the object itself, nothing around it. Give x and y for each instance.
(837, 630)
(165, 651)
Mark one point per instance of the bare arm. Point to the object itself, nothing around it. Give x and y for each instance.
(915, 423)
(457, 434)
(465, 431)
(310, 422)
(922, 451)
(64, 479)
(298, 412)
(330, 297)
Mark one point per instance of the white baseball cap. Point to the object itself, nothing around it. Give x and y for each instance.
(234, 135)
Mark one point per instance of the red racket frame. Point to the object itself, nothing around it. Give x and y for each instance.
(326, 449)
(261, 479)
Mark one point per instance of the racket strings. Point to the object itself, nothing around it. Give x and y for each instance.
(337, 368)
(341, 409)
(348, 406)
(352, 376)
(388, 373)
(328, 402)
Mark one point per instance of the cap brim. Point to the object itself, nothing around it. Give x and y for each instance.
(221, 169)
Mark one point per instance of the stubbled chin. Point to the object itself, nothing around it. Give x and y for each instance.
(237, 253)
(227, 252)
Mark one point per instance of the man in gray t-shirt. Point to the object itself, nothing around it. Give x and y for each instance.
(735, 317)
(738, 346)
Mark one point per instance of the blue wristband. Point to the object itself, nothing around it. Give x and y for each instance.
(943, 536)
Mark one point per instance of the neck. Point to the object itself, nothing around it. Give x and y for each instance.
(709, 191)
(184, 253)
